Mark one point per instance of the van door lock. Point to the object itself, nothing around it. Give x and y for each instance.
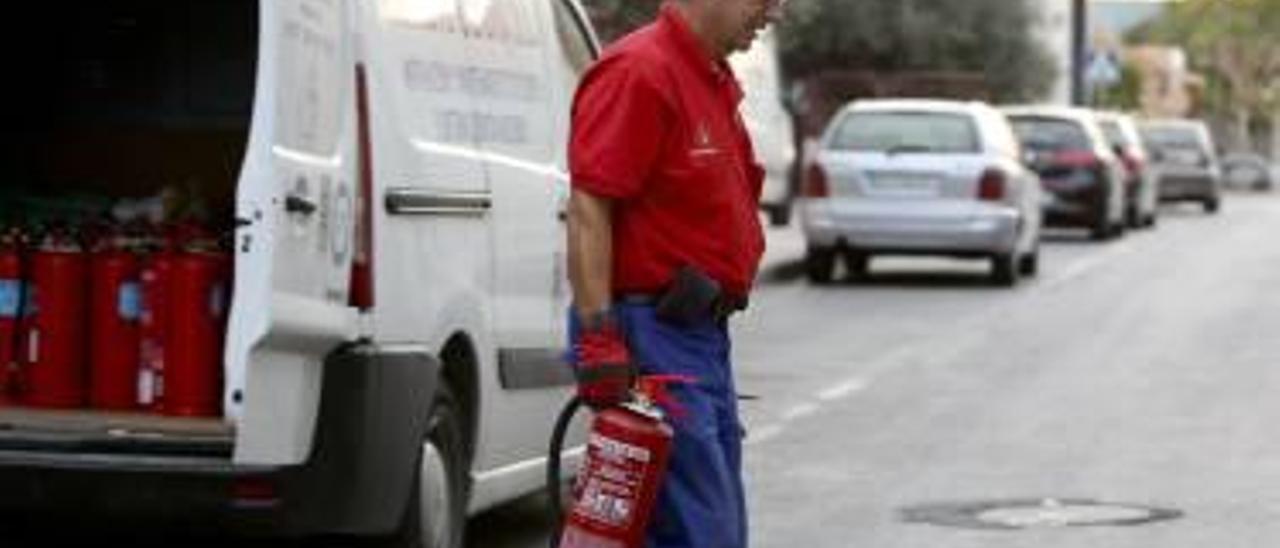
(297, 204)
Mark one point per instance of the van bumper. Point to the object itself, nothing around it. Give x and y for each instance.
(167, 493)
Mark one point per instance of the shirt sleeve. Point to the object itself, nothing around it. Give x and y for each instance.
(620, 121)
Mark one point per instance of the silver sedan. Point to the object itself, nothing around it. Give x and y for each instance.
(920, 177)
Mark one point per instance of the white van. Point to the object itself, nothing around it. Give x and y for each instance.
(395, 176)
(770, 125)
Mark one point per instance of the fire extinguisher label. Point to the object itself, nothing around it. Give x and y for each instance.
(10, 292)
(146, 387)
(33, 346)
(130, 301)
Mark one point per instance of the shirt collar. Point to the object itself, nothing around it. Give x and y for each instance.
(691, 50)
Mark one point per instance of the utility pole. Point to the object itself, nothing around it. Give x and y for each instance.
(1079, 49)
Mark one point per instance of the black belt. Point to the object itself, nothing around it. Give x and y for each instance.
(721, 307)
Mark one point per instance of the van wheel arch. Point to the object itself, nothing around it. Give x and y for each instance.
(460, 372)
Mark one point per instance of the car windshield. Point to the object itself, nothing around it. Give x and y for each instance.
(1050, 134)
(1170, 137)
(897, 132)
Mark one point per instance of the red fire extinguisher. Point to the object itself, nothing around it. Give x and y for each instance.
(55, 365)
(197, 319)
(114, 294)
(12, 312)
(617, 486)
(154, 274)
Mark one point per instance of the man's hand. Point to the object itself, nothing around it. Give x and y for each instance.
(604, 369)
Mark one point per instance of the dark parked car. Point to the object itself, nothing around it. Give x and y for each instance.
(1082, 177)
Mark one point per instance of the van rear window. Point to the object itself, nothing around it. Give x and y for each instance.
(926, 132)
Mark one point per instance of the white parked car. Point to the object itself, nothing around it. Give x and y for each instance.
(1141, 185)
(392, 173)
(770, 125)
(920, 177)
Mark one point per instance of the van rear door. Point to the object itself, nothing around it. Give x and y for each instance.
(295, 210)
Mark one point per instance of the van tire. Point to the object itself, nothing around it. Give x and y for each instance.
(442, 461)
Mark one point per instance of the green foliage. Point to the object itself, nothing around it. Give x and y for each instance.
(1234, 43)
(614, 18)
(991, 37)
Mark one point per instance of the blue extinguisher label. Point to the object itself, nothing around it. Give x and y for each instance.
(10, 292)
(130, 305)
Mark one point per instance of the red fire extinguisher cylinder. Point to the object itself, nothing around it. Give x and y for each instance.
(114, 342)
(193, 352)
(617, 487)
(11, 313)
(56, 366)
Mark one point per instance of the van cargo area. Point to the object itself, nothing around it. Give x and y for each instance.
(124, 136)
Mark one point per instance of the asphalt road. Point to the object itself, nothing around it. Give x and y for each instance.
(1139, 373)
(1142, 371)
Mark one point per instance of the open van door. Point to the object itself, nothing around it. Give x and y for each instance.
(295, 208)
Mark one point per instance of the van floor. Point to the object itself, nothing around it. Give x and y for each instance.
(109, 424)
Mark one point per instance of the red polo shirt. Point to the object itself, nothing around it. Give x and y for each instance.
(656, 128)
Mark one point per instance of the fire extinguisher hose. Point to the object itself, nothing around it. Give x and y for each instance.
(553, 466)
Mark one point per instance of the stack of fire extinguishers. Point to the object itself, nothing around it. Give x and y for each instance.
(626, 459)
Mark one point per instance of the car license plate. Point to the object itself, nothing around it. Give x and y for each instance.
(903, 183)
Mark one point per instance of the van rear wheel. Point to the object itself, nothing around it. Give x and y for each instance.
(436, 512)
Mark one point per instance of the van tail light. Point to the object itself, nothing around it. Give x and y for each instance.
(815, 182)
(360, 294)
(991, 187)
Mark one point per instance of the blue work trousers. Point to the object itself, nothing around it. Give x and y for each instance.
(701, 503)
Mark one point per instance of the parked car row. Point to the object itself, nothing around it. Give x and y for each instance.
(965, 179)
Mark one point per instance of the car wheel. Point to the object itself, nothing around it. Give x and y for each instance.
(436, 512)
(1151, 221)
(857, 263)
(1101, 227)
(1004, 269)
(1212, 205)
(820, 264)
(1029, 264)
(1133, 217)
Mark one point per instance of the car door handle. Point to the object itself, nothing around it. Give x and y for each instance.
(297, 204)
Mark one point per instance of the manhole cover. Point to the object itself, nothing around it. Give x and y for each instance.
(1036, 513)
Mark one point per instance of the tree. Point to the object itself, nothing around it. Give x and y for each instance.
(614, 18)
(991, 37)
(1236, 44)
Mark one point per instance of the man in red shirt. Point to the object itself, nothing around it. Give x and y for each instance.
(664, 242)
